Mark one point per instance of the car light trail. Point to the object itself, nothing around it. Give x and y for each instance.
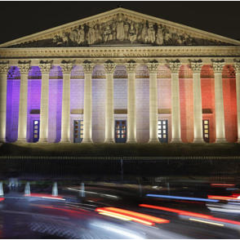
(182, 198)
(2, 199)
(133, 216)
(231, 197)
(191, 214)
(46, 196)
(211, 223)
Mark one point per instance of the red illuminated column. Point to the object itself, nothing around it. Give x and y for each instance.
(176, 119)
(22, 120)
(237, 70)
(197, 101)
(109, 114)
(3, 99)
(87, 117)
(45, 68)
(153, 102)
(219, 107)
(65, 127)
(131, 124)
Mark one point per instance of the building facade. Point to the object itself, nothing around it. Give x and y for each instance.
(120, 76)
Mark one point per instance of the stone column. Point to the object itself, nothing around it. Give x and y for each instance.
(237, 71)
(131, 123)
(109, 111)
(153, 102)
(22, 120)
(3, 100)
(65, 127)
(45, 68)
(219, 107)
(196, 66)
(87, 117)
(176, 118)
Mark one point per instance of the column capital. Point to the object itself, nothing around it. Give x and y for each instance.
(174, 65)
(87, 67)
(67, 66)
(153, 66)
(24, 66)
(196, 65)
(237, 65)
(45, 66)
(131, 66)
(110, 67)
(4, 67)
(218, 65)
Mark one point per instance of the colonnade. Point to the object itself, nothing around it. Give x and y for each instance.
(109, 66)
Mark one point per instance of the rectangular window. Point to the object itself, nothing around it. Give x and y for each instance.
(163, 131)
(206, 130)
(78, 131)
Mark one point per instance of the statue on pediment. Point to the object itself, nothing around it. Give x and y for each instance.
(151, 33)
(159, 36)
(144, 33)
(91, 34)
(120, 28)
(132, 34)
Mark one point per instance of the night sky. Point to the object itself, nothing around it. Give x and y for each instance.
(20, 19)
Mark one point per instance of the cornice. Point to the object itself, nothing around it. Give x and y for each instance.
(120, 52)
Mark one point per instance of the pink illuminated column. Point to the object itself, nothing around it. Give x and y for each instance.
(153, 102)
(196, 67)
(22, 121)
(65, 128)
(219, 107)
(174, 65)
(45, 68)
(237, 70)
(131, 123)
(87, 117)
(109, 119)
(3, 99)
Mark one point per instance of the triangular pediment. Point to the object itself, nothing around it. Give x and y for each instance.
(121, 27)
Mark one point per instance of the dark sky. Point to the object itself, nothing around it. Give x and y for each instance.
(19, 19)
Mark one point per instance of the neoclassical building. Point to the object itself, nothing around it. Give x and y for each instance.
(120, 76)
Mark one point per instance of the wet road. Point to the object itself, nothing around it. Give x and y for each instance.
(107, 210)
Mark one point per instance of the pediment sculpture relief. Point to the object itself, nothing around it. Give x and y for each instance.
(120, 30)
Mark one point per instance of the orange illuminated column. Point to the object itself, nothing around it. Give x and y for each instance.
(45, 68)
(87, 117)
(197, 101)
(65, 126)
(219, 107)
(109, 119)
(237, 70)
(131, 66)
(3, 99)
(153, 102)
(22, 120)
(176, 119)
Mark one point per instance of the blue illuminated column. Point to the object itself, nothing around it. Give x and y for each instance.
(174, 65)
(109, 119)
(3, 99)
(45, 68)
(219, 107)
(153, 102)
(131, 133)
(87, 117)
(22, 121)
(65, 127)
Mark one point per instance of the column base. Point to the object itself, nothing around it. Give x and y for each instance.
(65, 141)
(198, 140)
(220, 140)
(176, 140)
(21, 140)
(43, 140)
(154, 140)
(87, 140)
(131, 141)
(110, 140)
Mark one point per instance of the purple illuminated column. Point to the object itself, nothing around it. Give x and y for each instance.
(3, 99)
(22, 121)
(65, 128)
(45, 68)
(87, 117)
